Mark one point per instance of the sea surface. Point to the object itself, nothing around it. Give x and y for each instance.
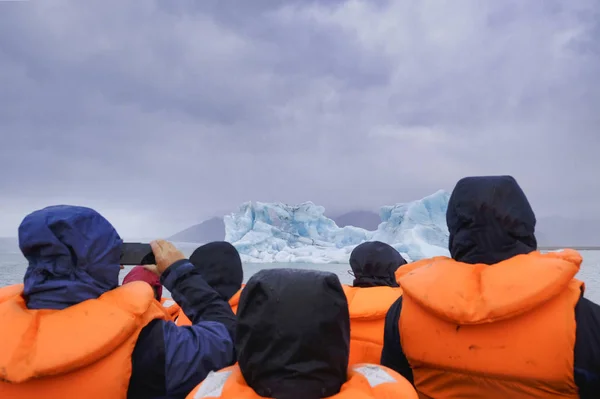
(13, 264)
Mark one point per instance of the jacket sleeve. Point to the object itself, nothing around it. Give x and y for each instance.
(587, 349)
(192, 352)
(392, 355)
(197, 299)
(169, 361)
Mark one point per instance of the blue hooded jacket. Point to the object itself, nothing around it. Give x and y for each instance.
(74, 255)
(491, 220)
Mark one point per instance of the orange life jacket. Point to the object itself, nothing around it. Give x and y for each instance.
(182, 320)
(500, 331)
(409, 267)
(235, 299)
(171, 307)
(365, 381)
(83, 351)
(368, 307)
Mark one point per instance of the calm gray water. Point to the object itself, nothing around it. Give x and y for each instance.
(12, 268)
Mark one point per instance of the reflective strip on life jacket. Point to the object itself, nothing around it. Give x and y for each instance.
(364, 381)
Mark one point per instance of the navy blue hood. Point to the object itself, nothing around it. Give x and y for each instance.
(293, 334)
(490, 220)
(374, 264)
(220, 265)
(73, 255)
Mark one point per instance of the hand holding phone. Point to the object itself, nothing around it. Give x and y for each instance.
(165, 254)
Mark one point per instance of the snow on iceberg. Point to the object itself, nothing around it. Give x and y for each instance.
(277, 232)
(417, 229)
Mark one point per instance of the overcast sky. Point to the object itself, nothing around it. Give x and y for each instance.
(162, 113)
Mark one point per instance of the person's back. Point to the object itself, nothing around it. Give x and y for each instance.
(499, 319)
(293, 343)
(373, 291)
(220, 265)
(71, 331)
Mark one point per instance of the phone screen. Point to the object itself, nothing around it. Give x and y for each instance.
(137, 253)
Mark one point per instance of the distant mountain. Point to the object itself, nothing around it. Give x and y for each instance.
(558, 231)
(365, 219)
(207, 231)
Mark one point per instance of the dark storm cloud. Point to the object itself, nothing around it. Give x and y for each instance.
(162, 113)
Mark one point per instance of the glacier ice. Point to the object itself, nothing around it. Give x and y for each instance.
(277, 232)
(417, 229)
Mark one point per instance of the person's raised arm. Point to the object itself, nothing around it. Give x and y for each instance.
(198, 300)
(184, 355)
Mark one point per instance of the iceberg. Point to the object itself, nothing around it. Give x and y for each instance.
(277, 232)
(416, 229)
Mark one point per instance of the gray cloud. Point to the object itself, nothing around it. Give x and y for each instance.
(160, 114)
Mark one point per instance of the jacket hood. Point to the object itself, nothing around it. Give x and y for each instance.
(374, 263)
(293, 334)
(489, 220)
(73, 254)
(220, 265)
(140, 273)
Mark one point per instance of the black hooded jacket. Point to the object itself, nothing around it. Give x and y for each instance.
(293, 334)
(491, 220)
(220, 265)
(374, 263)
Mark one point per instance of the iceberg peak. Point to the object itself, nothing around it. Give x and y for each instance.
(278, 232)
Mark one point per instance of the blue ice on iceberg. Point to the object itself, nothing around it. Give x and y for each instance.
(277, 232)
(417, 229)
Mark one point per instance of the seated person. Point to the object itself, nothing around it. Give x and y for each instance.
(70, 331)
(373, 291)
(293, 341)
(499, 319)
(220, 265)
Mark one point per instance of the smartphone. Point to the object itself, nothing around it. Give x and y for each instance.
(137, 253)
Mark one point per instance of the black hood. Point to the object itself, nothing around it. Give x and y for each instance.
(374, 263)
(293, 334)
(220, 265)
(490, 220)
